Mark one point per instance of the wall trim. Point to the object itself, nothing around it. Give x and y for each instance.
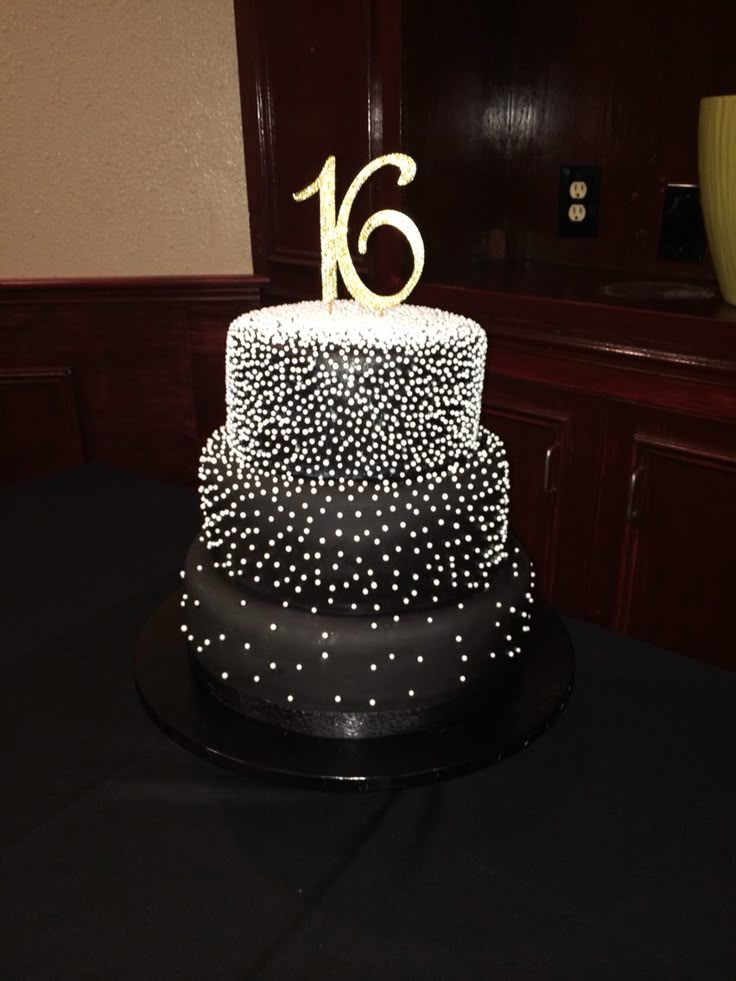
(121, 289)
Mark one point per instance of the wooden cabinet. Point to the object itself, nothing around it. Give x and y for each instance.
(626, 505)
(124, 372)
(666, 519)
(627, 512)
(50, 437)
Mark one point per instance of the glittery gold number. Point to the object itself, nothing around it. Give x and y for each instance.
(334, 233)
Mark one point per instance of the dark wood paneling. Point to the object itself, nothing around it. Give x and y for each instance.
(455, 124)
(496, 97)
(313, 72)
(314, 81)
(49, 438)
(146, 357)
(491, 100)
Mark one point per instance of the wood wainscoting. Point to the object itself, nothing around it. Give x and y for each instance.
(129, 372)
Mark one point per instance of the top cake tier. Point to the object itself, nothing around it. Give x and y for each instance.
(351, 393)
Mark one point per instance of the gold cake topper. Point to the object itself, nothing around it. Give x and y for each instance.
(334, 233)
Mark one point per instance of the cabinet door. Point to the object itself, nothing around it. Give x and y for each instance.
(552, 440)
(39, 422)
(675, 510)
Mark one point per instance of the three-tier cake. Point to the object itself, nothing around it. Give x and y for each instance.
(355, 575)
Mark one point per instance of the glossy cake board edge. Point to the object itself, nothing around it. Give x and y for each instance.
(194, 719)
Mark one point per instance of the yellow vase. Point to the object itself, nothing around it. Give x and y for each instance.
(717, 165)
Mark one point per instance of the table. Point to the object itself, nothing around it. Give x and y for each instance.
(604, 850)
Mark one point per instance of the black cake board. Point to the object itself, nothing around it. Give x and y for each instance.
(194, 719)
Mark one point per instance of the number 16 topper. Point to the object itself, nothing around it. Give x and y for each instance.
(334, 234)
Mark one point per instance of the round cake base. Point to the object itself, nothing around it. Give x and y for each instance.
(195, 720)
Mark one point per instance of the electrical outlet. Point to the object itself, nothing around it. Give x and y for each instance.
(579, 203)
(577, 212)
(578, 190)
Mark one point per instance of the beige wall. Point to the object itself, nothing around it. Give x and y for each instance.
(121, 149)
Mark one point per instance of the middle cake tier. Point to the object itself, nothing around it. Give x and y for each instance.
(351, 546)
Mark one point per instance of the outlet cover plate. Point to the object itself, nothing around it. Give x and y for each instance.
(579, 200)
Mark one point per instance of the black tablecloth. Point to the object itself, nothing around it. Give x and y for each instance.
(605, 850)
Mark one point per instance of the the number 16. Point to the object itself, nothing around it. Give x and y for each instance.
(334, 233)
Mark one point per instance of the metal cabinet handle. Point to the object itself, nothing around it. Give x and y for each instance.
(632, 512)
(548, 486)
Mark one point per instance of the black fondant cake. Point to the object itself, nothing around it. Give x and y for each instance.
(355, 575)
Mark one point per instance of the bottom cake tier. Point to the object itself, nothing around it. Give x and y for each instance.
(346, 676)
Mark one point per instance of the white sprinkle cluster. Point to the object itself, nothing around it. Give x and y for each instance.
(344, 543)
(351, 393)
